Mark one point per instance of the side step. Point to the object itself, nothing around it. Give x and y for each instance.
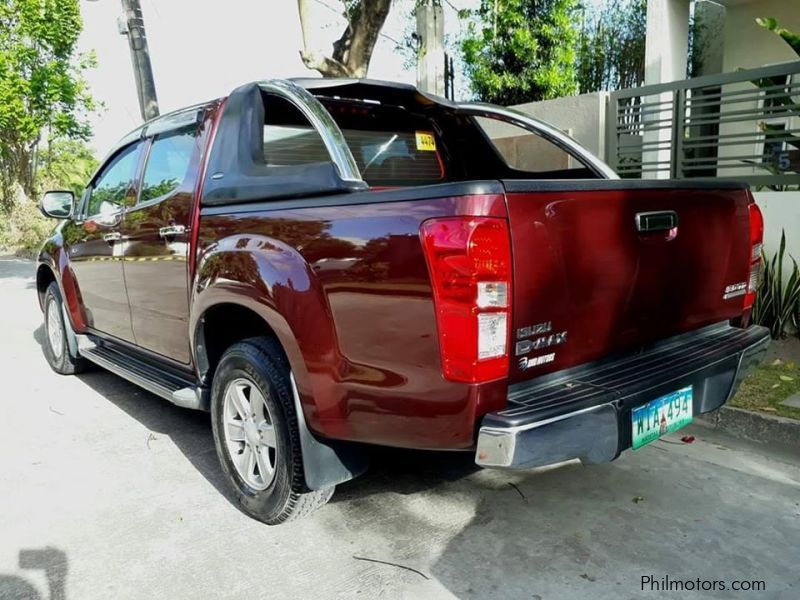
(168, 384)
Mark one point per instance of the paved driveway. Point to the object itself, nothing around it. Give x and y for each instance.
(109, 492)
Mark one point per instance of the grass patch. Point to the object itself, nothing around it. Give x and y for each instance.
(768, 386)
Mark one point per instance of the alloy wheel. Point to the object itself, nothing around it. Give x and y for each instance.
(249, 433)
(55, 333)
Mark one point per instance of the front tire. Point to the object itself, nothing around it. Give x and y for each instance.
(256, 433)
(56, 345)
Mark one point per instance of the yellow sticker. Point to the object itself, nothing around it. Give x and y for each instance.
(426, 141)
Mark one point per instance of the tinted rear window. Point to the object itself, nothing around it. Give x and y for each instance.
(392, 147)
(394, 157)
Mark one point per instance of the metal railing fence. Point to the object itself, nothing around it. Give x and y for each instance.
(739, 125)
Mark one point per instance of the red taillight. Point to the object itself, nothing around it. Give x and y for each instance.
(756, 240)
(469, 260)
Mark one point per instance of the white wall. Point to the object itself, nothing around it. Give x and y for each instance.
(781, 211)
(582, 117)
(667, 42)
(748, 45)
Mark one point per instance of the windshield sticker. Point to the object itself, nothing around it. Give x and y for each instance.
(425, 141)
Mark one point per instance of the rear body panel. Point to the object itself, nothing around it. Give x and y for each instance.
(581, 267)
(344, 284)
(342, 280)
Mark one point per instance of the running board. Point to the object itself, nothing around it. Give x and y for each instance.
(145, 374)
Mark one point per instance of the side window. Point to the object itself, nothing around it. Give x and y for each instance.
(112, 185)
(167, 164)
(525, 151)
(289, 138)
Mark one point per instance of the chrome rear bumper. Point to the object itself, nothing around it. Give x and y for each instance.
(585, 412)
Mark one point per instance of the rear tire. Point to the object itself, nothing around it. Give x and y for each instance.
(57, 335)
(256, 433)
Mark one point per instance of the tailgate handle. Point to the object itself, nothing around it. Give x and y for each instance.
(660, 220)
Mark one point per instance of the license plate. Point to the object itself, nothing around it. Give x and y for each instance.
(661, 416)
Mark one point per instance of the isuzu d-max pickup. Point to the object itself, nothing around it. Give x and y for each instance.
(329, 265)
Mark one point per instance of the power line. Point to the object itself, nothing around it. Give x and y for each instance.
(451, 5)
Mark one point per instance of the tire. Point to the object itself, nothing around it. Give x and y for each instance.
(267, 480)
(56, 344)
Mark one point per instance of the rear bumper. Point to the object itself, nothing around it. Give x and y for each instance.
(585, 412)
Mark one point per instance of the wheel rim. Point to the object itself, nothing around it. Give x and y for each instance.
(55, 334)
(249, 433)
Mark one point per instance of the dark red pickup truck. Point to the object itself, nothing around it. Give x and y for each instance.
(331, 264)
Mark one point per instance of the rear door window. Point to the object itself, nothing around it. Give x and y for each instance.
(167, 164)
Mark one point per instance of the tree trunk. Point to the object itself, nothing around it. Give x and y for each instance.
(15, 170)
(352, 52)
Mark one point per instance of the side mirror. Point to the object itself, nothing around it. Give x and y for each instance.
(57, 204)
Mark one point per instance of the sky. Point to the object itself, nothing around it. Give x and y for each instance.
(202, 49)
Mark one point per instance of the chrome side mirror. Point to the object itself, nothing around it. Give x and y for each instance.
(57, 204)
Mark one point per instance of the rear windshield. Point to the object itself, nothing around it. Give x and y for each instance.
(398, 146)
(395, 157)
(392, 147)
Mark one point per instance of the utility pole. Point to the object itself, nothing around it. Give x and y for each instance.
(132, 25)
(430, 54)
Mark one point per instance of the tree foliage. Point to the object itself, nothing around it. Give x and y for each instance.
(522, 50)
(612, 46)
(41, 88)
(352, 52)
(790, 37)
(65, 164)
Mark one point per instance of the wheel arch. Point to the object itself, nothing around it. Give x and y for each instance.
(325, 462)
(44, 277)
(219, 326)
(54, 266)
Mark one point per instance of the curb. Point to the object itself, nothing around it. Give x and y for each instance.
(753, 426)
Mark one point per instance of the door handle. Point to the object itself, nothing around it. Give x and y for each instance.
(112, 237)
(171, 230)
(661, 220)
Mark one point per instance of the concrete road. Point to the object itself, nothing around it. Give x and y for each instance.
(109, 492)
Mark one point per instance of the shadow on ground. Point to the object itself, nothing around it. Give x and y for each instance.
(401, 471)
(568, 532)
(50, 560)
(12, 267)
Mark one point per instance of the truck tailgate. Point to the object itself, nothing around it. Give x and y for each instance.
(591, 279)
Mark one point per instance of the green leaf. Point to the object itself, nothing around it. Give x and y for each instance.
(522, 50)
(42, 91)
(778, 299)
(789, 37)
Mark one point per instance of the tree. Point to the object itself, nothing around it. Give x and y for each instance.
(791, 38)
(611, 55)
(522, 50)
(65, 165)
(41, 87)
(352, 52)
